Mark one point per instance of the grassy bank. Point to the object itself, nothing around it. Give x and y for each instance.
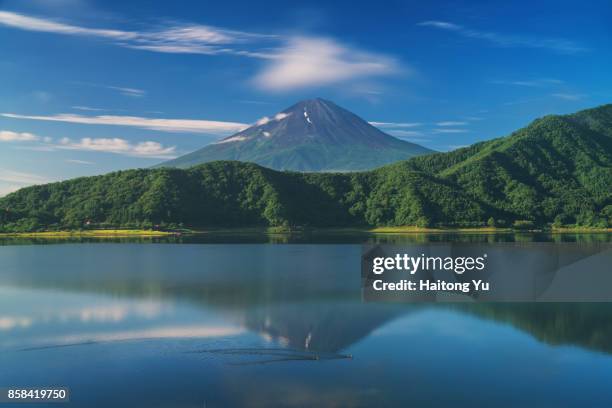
(115, 233)
(408, 229)
(586, 230)
(413, 229)
(111, 233)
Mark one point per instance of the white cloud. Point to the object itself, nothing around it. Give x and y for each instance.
(441, 24)
(133, 92)
(405, 133)
(569, 96)
(87, 108)
(451, 123)
(232, 139)
(307, 62)
(11, 180)
(446, 130)
(395, 124)
(75, 161)
(24, 22)
(559, 45)
(8, 136)
(521, 101)
(163, 125)
(9, 322)
(146, 149)
(281, 115)
(265, 120)
(532, 83)
(21, 178)
(252, 102)
(123, 90)
(292, 64)
(7, 189)
(178, 38)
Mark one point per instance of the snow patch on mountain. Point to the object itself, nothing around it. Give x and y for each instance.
(263, 121)
(232, 139)
(278, 117)
(281, 115)
(307, 117)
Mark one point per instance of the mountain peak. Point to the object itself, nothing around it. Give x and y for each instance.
(314, 101)
(311, 135)
(312, 104)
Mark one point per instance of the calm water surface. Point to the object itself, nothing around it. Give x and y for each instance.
(239, 321)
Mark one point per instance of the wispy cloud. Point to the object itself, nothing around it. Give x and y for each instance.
(252, 102)
(308, 62)
(87, 108)
(265, 120)
(133, 92)
(21, 178)
(446, 130)
(391, 125)
(455, 147)
(405, 133)
(123, 90)
(559, 45)
(291, 63)
(83, 162)
(146, 149)
(12, 180)
(176, 38)
(522, 101)
(9, 136)
(7, 189)
(24, 22)
(532, 83)
(451, 123)
(164, 125)
(569, 96)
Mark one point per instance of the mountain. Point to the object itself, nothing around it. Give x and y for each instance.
(557, 170)
(312, 135)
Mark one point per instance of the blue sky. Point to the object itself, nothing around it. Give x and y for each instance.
(93, 86)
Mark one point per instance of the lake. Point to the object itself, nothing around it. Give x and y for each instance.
(259, 320)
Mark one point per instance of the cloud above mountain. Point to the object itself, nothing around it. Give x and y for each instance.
(159, 124)
(289, 63)
(169, 38)
(307, 62)
(558, 45)
(146, 149)
(9, 136)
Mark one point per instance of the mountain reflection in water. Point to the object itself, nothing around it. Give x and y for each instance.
(244, 319)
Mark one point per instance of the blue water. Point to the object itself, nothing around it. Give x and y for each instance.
(263, 324)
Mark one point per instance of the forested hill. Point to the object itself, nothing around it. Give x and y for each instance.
(556, 170)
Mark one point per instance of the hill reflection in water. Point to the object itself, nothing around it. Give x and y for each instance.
(251, 323)
(307, 296)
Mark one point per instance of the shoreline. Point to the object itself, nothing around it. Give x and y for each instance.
(114, 233)
(121, 233)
